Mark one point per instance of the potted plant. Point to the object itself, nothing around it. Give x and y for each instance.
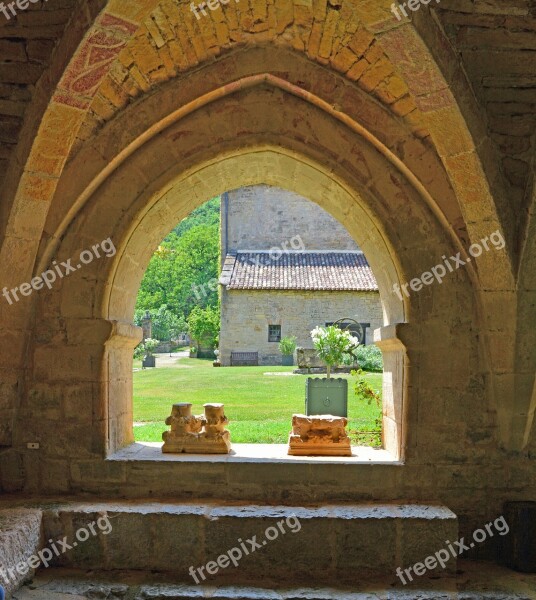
(148, 346)
(193, 352)
(287, 346)
(327, 395)
(216, 362)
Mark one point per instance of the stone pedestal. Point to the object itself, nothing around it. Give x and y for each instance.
(319, 435)
(203, 434)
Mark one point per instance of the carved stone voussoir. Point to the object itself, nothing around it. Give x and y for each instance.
(319, 435)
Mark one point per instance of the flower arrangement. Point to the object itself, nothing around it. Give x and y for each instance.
(333, 344)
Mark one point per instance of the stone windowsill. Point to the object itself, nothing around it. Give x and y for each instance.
(259, 453)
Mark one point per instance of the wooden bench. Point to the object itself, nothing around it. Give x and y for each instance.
(244, 359)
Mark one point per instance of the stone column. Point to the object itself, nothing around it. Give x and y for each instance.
(395, 381)
(147, 326)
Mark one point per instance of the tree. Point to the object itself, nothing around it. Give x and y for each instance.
(206, 214)
(204, 324)
(182, 272)
(165, 323)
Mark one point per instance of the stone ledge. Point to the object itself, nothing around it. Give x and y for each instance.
(357, 540)
(254, 453)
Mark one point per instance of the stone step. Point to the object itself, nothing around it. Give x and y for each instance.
(170, 592)
(475, 581)
(203, 543)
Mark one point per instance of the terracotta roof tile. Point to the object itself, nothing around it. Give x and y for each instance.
(332, 271)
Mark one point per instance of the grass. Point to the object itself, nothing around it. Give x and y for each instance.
(259, 405)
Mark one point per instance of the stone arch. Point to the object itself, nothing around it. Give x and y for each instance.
(119, 23)
(47, 184)
(100, 297)
(518, 418)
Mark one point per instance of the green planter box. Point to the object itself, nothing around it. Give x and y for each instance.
(287, 360)
(326, 397)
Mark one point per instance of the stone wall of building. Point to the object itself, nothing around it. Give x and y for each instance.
(247, 314)
(428, 151)
(263, 217)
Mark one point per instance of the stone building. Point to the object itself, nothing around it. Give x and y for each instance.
(117, 119)
(288, 266)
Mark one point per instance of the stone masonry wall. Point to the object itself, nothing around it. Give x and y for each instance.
(469, 444)
(262, 217)
(247, 314)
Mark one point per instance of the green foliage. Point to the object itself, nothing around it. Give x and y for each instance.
(179, 272)
(204, 324)
(287, 345)
(146, 347)
(166, 325)
(180, 267)
(333, 345)
(206, 214)
(363, 390)
(369, 358)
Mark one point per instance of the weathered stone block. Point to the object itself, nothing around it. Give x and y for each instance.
(319, 435)
(20, 538)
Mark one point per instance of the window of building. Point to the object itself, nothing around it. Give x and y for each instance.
(274, 333)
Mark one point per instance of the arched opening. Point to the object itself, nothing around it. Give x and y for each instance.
(159, 178)
(175, 203)
(270, 266)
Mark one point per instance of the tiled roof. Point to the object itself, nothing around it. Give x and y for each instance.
(333, 271)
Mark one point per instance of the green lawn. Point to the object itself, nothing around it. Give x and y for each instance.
(258, 406)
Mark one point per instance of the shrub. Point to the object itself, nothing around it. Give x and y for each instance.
(145, 348)
(369, 358)
(287, 345)
(166, 325)
(333, 345)
(363, 390)
(204, 325)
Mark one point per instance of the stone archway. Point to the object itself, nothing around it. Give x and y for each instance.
(424, 190)
(363, 187)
